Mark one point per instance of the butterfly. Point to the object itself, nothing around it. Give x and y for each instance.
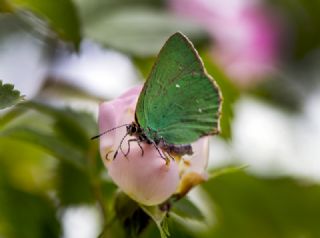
(179, 102)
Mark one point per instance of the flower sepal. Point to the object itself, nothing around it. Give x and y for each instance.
(134, 217)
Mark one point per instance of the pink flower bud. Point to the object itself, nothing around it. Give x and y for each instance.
(146, 179)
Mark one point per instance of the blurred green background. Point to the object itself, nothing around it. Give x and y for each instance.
(67, 56)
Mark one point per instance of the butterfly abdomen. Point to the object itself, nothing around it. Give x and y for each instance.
(185, 149)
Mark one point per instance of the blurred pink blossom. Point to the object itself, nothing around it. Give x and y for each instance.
(146, 179)
(246, 36)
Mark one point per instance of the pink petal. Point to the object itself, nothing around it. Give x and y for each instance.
(135, 91)
(193, 168)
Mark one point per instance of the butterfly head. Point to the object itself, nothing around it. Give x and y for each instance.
(133, 129)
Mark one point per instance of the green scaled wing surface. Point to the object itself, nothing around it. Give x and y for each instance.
(179, 101)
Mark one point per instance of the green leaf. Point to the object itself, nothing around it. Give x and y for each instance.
(25, 165)
(60, 14)
(70, 139)
(90, 10)
(10, 116)
(289, 88)
(230, 95)
(48, 142)
(302, 17)
(250, 207)
(144, 65)
(5, 6)
(186, 209)
(226, 170)
(73, 185)
(28, 215)
(282, 92)
(9, 96)
(138, 31)
(73, 127)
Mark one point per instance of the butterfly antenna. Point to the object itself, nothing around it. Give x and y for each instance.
(105, 132)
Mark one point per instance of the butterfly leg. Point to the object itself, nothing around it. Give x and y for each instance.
(167, 159)
(170, 156)
(138, 142)
(142, 151)
(107, 155)
(162, 155)
(120, 148)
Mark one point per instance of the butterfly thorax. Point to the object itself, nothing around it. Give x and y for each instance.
(150, 136)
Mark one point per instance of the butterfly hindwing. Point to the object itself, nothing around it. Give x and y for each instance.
(179, 100)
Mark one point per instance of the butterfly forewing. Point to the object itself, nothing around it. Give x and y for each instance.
(179, 101)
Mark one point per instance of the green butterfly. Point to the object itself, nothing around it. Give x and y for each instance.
(179, 102)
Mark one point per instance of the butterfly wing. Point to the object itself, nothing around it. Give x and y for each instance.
(179, 100)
